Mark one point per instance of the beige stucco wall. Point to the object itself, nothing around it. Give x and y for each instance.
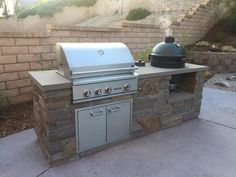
(70, 15)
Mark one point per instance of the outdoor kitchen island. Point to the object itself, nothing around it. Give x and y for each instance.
(154, 107)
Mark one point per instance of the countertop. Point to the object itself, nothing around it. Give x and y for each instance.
(150, 71)
(51, 80)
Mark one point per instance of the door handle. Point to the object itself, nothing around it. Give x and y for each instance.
(93, 114)
(116, 109)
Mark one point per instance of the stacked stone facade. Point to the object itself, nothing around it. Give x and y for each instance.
(154, 108)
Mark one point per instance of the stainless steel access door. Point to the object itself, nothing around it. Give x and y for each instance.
(92, 128)
(118, 121)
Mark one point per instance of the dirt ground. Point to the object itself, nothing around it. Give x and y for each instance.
(16, 118)
(221, 27)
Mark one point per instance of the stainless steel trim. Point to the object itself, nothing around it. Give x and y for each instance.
(103, 105)
(131, 116)
(103, 97)
(77, 129)
(98, 71)
(102, 67)
(99, 79)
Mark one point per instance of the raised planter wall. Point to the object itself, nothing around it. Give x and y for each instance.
(217, 62)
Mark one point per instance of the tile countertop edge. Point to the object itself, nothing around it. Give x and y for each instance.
(49, 80)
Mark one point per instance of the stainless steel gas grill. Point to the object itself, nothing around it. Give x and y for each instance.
(97, 70)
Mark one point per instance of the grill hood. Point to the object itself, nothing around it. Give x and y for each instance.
(78, 60)
(169, 49)
(168, 54)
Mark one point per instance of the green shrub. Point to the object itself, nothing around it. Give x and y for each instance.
(31, 11)
(49, 8)
(219, 37)
(230, 7)
(143, 55)
(86, 3)
(228, 49)
(137, 14)
(203, 44)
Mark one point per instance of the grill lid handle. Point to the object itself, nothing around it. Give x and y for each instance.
(105, 70)
(93, 114)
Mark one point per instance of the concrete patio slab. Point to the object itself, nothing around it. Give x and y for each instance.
(197, 148)
(219, 106)
(20, 155)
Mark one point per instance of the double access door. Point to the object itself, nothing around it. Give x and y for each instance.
(103, 124)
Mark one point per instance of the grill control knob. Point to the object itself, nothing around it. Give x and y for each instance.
(108, 90)
(87, 93)
(98, 91)
(127, 87)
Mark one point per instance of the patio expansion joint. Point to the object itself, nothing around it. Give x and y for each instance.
(218, 124)
(43, 172)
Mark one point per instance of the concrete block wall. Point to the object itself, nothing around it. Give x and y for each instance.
(217, 62)
(19, 53)
(156, 6)
(22, 52)
(194, 25)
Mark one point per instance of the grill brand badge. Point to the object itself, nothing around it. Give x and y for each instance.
(100, 52)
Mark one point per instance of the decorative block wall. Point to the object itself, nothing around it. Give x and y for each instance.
(217, 62)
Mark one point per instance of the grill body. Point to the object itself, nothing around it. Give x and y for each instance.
(97, 70)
